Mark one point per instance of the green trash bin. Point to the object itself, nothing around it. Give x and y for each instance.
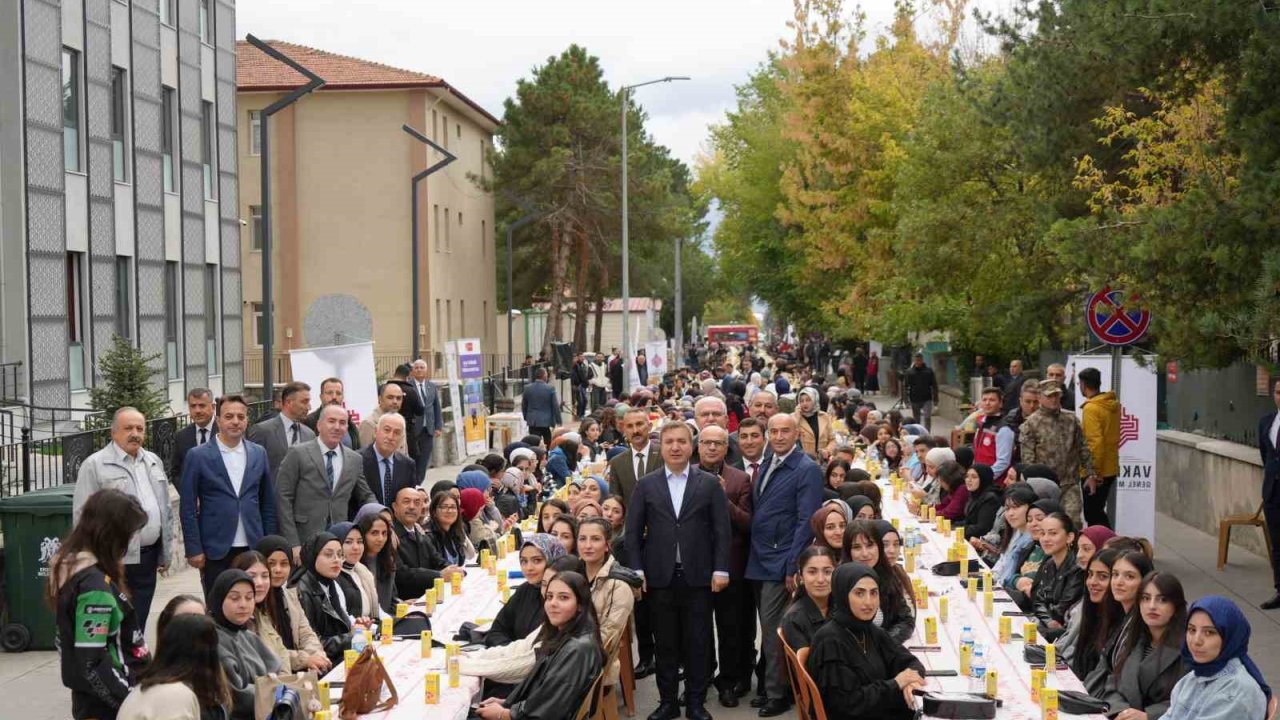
(34, 524)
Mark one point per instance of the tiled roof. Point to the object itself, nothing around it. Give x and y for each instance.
(257, 71)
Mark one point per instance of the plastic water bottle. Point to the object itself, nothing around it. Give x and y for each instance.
(966, 637)
(359, 641)
(978, 668)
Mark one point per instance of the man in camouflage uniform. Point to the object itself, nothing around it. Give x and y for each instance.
(1054, 437)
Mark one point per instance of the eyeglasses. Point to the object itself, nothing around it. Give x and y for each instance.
(330, 555)
(713, 443)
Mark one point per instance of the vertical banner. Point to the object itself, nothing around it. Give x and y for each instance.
(455, 398)
(471, 372)
(656, 355)
(352, 364)
(1135, 510)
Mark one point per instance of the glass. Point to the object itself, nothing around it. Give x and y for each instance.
(330, 554)
(712, 443)
(71, 110)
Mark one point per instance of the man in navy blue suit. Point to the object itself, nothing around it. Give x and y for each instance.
(678, 539)
(1269, 446)
(787, 492)
(227, 500)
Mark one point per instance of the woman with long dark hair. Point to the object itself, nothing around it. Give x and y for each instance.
(1127, 572)
(177, 606)
(953, 495)
(316, 586)
(810, 606)
(565, 527)
(281, 622)
(244, 656)
(1088, 543)
(897, 600)
(569, 657)
(551, 509)
(185, 680)
(447, 532)
(1151, 658)
(1099, 615)
(836, 474)
(99, 636)
(614, 510)
(860, 671)
(1059, 582)
(1223, 682)
(1014, 537)
(610, 435)
(613, 591)
(379, 558)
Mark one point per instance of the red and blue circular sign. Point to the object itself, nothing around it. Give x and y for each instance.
(1112, 322)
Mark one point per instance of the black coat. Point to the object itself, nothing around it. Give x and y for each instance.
(404, 473)
(1145, 683)
(184, 441)
(701, 530)
(419, 563)
(1054, 591)
(801, 622)
(559, 681)
(330, 624)
(980, 513)
(922, 384)
(855, 685)
(522, 614)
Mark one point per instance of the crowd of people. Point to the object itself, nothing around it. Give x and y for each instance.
(730, 496)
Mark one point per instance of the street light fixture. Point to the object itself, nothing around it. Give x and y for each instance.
(626, 260)
(417, 253)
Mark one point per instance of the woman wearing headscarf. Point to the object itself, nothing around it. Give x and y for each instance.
(929, 489)
(357, 583)
(1223, 684)
(984, 501)
(281, 623)
(562, 460)
(523, 613)
(860, 671)
(861, 507)
(828, 524)
(817, 437)
(478, 480)
(964, 456)
(244, 656)
(321, 598)
(480, 534)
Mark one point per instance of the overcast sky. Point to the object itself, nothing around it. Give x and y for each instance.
(482, 47)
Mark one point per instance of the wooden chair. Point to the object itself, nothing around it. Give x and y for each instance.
(592, 702)
(1271, 708)
(1256, 519)
(808, 699)
(627, 672)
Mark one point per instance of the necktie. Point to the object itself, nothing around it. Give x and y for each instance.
(204, 435)
(422, 395)
(639, 467)
(755, 472)
(386, 477)
(293, 434)
(328, 466)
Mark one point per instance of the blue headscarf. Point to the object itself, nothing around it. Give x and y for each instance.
(604, 487)
(1234, 629)
(474, 479)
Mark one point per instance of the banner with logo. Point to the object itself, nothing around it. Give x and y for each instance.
(471, 375)
(1135, 509)
(352, 364)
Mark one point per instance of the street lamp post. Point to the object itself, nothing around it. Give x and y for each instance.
(315, 83)
(417, 253)
(626, 260)
(679, 295)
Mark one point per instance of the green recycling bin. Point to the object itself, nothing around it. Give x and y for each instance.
(34, 524)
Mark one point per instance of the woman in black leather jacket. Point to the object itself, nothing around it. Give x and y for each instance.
(569, 658)
(1059, 582)
(315, 582)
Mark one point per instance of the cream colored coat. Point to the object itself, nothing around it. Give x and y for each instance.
(169, 701)
(306, 640)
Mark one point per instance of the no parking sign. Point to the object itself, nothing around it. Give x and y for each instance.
(1111, 321)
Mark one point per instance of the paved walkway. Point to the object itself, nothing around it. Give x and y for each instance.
(33, 690)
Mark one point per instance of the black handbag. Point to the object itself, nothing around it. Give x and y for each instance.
(411, 625)
(952, 567)
(1078, 703)
(958, 705)
(1034, 655)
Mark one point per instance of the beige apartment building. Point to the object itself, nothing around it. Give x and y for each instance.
(341, 201)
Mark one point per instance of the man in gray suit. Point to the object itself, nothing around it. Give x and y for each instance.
(430, 423)
(319, 481)
(625, 469)
(281, 432)
(540, 406)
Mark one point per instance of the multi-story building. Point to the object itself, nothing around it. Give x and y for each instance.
(119, 208)
(341, 229)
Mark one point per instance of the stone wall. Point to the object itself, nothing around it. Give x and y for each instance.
(1201, 480)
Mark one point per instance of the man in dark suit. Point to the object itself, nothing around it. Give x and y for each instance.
(708, 411)
(735, 605)
(410, 406)
(616, 370)
(540, 406)
(386, 469)
(319, 481)
(623, 474)
(199, 431)
(1269, 446)
(287, 429)
(227, 501)
(430, 419)
(787, 493)
(419, 562)
(332, 392)
(678, 540)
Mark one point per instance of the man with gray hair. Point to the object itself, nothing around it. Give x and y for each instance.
(430, 423)
(126, 466)
(711, 411)
(386, 462)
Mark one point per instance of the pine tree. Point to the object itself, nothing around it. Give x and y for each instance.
(126, 382)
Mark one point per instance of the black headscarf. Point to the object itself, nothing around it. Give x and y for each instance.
(842, 582)
(1046, 506)
(856, 503)
(964, 456)
(277, 608)
(986, 477)
(310, 553)
(222, 585)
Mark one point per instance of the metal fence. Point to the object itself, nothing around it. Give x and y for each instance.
(35, 463)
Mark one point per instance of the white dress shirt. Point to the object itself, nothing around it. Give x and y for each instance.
(235, 459)
(208, 433)
(337, 459)
(288, 429)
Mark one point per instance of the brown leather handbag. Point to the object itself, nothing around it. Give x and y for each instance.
(362, 691)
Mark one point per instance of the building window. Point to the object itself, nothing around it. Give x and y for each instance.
(459, 220)
(435, 220)
(435, 126)
(76, 346)
(167, 12)
(255, 132)
(462, 318)
(448, 319)
(119, 124)
(168, 124)
(448, 244)
(72, 127)
(207, 149)
(459, 126)
(439, 323)
(444, 126)
(124, 297)
(259, 323)
(206, 26)
(171, 314)
(255, 227)
(484, 238)
(211, 316)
